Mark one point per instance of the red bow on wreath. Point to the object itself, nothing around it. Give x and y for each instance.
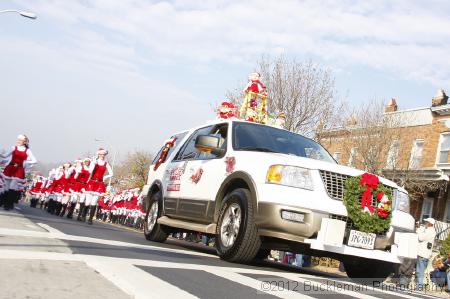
(371, 182)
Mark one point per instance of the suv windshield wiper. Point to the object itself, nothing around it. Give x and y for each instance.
(258, 149)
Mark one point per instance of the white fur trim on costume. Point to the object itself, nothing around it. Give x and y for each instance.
(102, 151)
(13, 183)
(65, 199)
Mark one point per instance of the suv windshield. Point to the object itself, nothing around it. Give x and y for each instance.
(254, 137)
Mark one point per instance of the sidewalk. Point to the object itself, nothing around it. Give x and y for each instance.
(41, 278)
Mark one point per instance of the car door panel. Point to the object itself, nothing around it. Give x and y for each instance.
(193, 182)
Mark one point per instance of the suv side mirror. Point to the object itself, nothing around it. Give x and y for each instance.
(210, 144)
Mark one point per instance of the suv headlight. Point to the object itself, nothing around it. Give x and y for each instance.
(401, 201)
(290, 176)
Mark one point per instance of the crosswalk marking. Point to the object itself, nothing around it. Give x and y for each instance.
(132, 280)
(56, 234)
(139, 283)
(405, 295)
(384, 291)
(50, 229)
(256, 284)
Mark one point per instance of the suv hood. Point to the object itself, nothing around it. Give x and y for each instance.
(284, 159)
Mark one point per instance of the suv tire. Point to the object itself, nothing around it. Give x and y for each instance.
(152, 229)
(237, 237)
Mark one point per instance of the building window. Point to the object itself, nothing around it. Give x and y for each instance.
(351, 158)
(444, 148)
(392, 154)
(427, 208)
(337, 157)
(416, 154)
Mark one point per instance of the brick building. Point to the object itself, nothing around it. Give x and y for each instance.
(415, 152)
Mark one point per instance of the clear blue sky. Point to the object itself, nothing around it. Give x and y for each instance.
(133, 72)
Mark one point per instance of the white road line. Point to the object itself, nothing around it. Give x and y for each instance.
(56, 234)
(384, 291)
(17, 208)
(137, 282)
(50, 229)
(120, 272)
(25, 233)
(351, 293)
(230, 273)
(257, 285)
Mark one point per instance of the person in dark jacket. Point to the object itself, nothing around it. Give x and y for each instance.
(439, 275)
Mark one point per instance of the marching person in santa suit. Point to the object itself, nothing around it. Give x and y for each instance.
(42, 193)
(73, 188)
(69, 188)
(141, 210)
(35, 190)
(49, 196)
(96, 186)
(56, 189)
(133, 205)
(19, 161)
(82, 177)
(107, 208)
(116, 206)
(123, 207)
(61, 188)
(102, 208)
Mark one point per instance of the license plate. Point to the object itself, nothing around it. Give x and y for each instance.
(361, 239)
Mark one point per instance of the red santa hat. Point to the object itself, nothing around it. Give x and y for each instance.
(102, 151)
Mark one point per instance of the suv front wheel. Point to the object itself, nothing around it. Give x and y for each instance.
(152, 229)
(237, 237)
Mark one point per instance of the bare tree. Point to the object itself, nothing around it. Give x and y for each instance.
(369, 135)
(133, 170)
(303, 91)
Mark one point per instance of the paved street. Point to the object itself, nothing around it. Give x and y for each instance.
(44, 256)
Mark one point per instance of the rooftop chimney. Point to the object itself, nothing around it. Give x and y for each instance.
(391, 106)
(439, 99)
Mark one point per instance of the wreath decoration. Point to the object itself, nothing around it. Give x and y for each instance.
(358, 194)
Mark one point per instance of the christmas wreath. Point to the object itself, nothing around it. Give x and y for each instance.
(358, 194)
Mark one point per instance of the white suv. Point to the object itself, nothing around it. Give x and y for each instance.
(256, 188)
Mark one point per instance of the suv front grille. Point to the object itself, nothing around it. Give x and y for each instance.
(335, 182)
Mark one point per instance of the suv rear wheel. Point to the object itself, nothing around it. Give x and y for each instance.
(237, 237)
(152, 229)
